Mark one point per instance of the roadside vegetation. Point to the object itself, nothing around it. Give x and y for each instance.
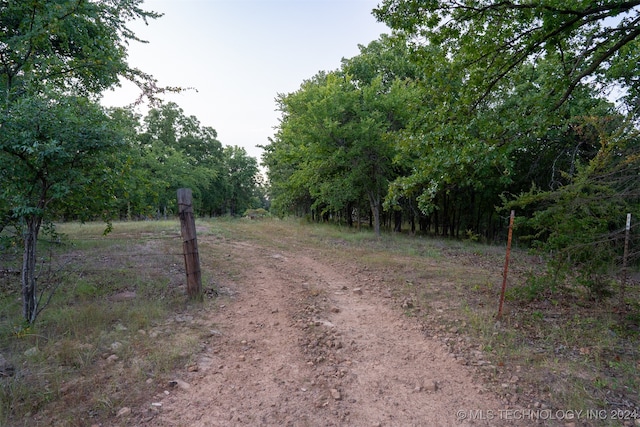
(119, 327)
(113, 333)
(461, 114)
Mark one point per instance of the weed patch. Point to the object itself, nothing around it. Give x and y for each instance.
(95, 347)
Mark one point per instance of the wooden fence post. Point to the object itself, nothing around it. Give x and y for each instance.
(189, 243)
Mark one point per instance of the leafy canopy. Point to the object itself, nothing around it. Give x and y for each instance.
(593, 40)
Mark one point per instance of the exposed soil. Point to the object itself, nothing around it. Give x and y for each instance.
(296, 340)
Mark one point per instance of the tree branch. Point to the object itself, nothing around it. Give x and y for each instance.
(596, 63)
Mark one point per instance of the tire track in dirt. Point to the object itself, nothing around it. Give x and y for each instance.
(251, 371)
(394, 375)
(303, 344)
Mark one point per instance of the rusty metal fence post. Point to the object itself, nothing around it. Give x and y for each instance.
(506, 264)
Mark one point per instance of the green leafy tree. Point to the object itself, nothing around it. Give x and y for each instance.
(331, 151)
(135, 191)
(337, 144)
(58, 153)
(68, 44)
(50, 52)
(176, 151)
(531, 81)
(458, 160)
(282, 158)
(386, 78)
(580, 224)
(491, 40)
(240, 181)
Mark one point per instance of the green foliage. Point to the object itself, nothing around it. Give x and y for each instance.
(168, 150)
(581, 225)
(61, 154)
(505, 90)
(331, 153)
(173, 151)
(55, 56)
(240, 181)
(491, 40)
(72, 45)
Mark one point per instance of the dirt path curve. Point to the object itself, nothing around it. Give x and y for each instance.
(304, 343)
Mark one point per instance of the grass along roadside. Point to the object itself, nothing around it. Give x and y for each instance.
(119, 326)
(560, 351)
(115, 331)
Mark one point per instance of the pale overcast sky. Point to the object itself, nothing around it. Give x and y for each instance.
(239, 54)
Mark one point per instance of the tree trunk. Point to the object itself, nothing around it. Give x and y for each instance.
(29, 285)
(349, 215)
(414, 217)
(436, 219)
(374, 201)
(397, 221)
(425, 223)
(445, 215)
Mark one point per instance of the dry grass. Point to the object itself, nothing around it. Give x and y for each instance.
(563, 352)
(95, 348)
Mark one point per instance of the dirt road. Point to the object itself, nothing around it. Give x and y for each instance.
(296, 340)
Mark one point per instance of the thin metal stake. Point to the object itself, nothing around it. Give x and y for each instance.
(625, 256)
(506, 264)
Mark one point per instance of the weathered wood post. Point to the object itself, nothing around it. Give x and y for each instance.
(189, 243)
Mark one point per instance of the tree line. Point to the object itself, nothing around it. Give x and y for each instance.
(168, 150)
(465, 111)
(468, 110)
(64, 156)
